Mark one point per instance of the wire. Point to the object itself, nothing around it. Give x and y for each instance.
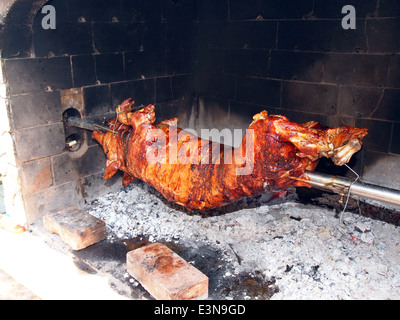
(348, 194)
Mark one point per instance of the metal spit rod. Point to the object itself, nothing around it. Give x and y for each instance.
(85, 124)
(324, 181)
(343, 185)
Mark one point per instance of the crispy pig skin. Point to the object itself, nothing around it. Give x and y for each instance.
(200, 174)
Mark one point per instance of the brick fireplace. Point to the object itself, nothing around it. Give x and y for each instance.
(212, 63)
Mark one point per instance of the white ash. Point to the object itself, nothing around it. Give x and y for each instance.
(301, 246)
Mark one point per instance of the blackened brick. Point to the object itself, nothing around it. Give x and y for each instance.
(303, 117)
(62, 12)
(350, 40)
(30, 75)
(209, 60)
(326, 165)
(16, 41)
(259, 91)
(117, 37)
(243, 110)
(147, 63)
(211, 10)
(180, 34)
(272, 9)
(105, 10)
(394, 72)
(141, 91)
(290, 65)
(213, 34)
(358, 102)
(307, 35)
(182, 86)
(287, 9)
(383, 35)
(68, 168)
(108, 36)
(83, 70)
(154, 36)
(133, 37)
(208, 66)
(379, 133)
(174, 108)
(333, 9)
(395, 146)
(80, 9)
(96, 99)
(356, 69)
(339, 68)
(66, 39)
(340, 121)
(101, 10)
(141, 11)
(245, 10)
(204, 82)
(214, 84)
(36, 109)
(173, 10)
(389, 106)
(307, 97)
(163, 89)
(109, 67)
(39, 142)
(179, 61)
(253, 34)
(381, 169)
(389, 8)
(246, 62)
(93, 186)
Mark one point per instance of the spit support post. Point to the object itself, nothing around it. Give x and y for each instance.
(342, 185)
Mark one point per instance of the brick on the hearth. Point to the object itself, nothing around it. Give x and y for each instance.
(165, 275)
(75, 227)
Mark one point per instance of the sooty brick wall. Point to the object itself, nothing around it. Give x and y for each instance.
(293, 57)
(108, 51)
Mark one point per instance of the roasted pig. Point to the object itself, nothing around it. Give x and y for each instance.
(200, 174)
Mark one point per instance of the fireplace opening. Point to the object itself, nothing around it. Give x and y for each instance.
(73, 141)
(70, 113)
(213, 64)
